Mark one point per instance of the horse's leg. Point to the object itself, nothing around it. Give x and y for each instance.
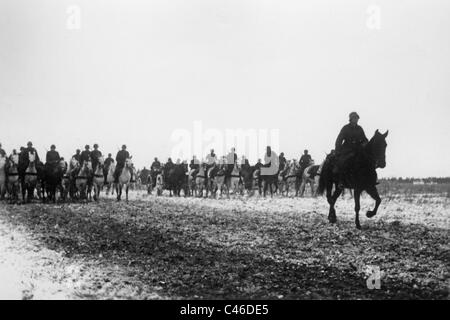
(126, 192)
(24, 192)
(373, 192)
(332, 201)
(357, 208)
(312, 188)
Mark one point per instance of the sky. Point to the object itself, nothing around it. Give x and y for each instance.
(147, 73)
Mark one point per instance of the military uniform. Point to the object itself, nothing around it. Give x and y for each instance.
(85, 156)
(305, 161)
(52, 157)
(282, 162)
(29, 150)
(348, 144)
(77, 156)
(95, 156)
(350, 138)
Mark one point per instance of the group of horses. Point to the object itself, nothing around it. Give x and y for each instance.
(219, 180)
(79, 181)
(27, 176)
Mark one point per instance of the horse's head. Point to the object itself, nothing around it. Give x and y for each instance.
(31, 157)
(15, 160)
(377, 146)
(62, 164)
(2, 162)
(128, 163)
(74, 163)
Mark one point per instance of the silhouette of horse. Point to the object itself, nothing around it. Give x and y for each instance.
(54, 173)
(361, 177)
(247, 177)
(175, 179)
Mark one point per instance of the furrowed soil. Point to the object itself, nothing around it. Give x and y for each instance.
(238, 248)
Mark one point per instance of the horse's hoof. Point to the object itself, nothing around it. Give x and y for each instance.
(358, 226)
(370, 214)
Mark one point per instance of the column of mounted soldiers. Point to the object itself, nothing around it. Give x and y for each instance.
(53, 157)
(349, 142)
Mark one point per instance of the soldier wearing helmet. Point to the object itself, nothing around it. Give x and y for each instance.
(30, 149)
(95, 156)
(121, 158)
(85, 155)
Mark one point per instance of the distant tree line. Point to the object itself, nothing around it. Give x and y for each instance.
(429, 180)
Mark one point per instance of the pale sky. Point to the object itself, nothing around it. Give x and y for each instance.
(136, 71)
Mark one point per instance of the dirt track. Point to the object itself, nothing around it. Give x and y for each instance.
(154, 248)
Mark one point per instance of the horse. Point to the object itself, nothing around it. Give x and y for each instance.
(192, 181)
(99, 178)
(2, 177)
(201, 181)
(269, 178)
(235, 180)
(218, 182)
(110, 179)
(124, 180)
(13, 180)
(282, 175)
(54, 173)
(176, 179)
(247, 177)
(159, 184)
(361, 177)
(257, 182)
(291, 179)
(146, 180)
(30, 179)
(82, 179)
(309, 176)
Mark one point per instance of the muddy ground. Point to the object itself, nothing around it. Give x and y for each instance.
(239, 248)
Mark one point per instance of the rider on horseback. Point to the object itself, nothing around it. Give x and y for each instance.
(349, 142)
(194, 166)
(305, 161)
(13, 154)
(282, 161)
(95, 157)
(121, 158)
(29, 149)
(77, 155)
(52, 156)
(85, 155)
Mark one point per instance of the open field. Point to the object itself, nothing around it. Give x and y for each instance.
(280, 248)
